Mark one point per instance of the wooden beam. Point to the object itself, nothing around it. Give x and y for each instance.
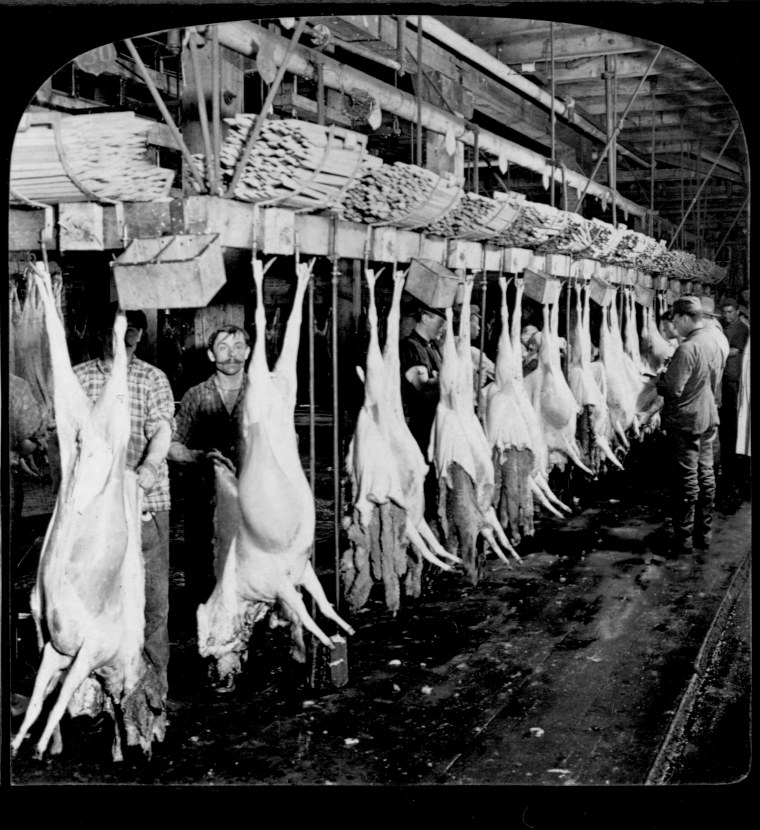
(714, 104)
(628, 66)
(568, 45)
(664, 85)
(663, 174)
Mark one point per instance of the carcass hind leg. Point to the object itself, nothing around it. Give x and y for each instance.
(428, 536)
(53, 663)
(419, 544)
(290, 597)
(77, 672)
(493, 520)
(311, 582)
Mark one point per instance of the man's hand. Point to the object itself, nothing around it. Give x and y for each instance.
(216, 457)
(147, 475)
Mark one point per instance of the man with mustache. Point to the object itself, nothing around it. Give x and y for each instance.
(208, 432)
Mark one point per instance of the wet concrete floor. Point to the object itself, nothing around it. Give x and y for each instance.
(566, 669)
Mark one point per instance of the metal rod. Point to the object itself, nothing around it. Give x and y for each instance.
(262, 115)
(652, 165)
(682, 183)
(731, 227)
(475, 162)
(202, 111)
(704, 182)
(553, 111)
(176, 134)
(419, 95)
(618, 128)
(478, 385)
(567, 327)
(335, 276)
(216, 107)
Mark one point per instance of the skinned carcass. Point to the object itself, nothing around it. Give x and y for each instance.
(648, 401)
(462, 454)
(656, 351)
(268, 553)
(508, 435)
(631, 397)
(89, 599)
(387, 471)
(551, 396)
(594, 421)
(519, 451)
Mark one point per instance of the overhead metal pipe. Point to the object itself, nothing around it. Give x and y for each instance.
(619, 127)
(247, 38)
(456, 43)
(704, 182)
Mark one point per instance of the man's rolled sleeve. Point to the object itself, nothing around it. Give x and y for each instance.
(160, 406)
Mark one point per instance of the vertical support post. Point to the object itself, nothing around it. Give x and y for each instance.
(682, 185)
(420, 79)
(401, 43)
(609, 90)
(320, 90)
(476, 160)
(553, 113)
(202, 111)
(652, 162)
(216, 103)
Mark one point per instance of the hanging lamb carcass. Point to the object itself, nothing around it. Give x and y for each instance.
(589, 388)
(520, 456)
(266, 518)
(551, 397)
(387, 524)
(462, 455)
(89, 599)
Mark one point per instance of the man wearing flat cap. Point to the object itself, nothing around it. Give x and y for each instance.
(690, 419)
(420, 357)
(737, 333)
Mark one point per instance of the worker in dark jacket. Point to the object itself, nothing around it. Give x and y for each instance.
(420, 358)
(690, 419)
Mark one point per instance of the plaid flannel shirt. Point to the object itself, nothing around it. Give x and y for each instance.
(151, 400)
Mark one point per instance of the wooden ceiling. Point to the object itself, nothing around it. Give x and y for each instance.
(681, 110)
(681, 113)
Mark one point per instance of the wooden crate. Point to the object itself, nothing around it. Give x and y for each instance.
(644, 296)
(432, 283)
(541, 287)
(601, 291)
(516, 260)
(180, 271)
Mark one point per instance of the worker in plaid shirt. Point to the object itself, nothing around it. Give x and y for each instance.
(151, 407)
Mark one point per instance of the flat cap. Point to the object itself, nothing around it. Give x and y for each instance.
(687, 305)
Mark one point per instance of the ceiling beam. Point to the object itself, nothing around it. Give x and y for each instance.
(628, 66)
(568, 45)
(664, 85)
(665, 103)
(671, 175)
